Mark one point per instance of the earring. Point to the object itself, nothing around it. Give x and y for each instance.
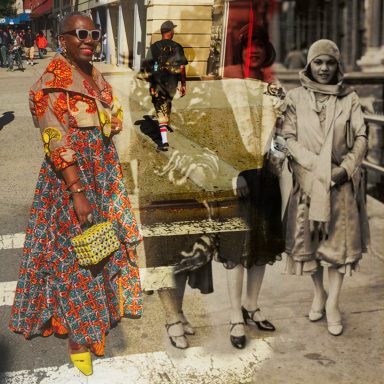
(63, 49)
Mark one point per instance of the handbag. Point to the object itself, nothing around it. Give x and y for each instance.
(95, 244)
(277, 155)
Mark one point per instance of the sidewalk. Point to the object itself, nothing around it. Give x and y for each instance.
(299, 352)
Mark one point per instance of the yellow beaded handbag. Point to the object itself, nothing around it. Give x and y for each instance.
(95, 243)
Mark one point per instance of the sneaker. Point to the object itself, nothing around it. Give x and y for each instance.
(163, 147)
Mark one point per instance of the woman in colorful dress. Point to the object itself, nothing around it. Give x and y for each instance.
(327, 221)
(80, 181)
(255, 105)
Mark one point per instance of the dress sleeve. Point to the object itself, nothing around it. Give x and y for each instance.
(299, 153)
(355, 156)
(50, 114)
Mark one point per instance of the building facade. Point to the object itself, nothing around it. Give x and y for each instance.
(123, 28)
(206, 28)
(40, 12)
(373, 58)
(193, 31)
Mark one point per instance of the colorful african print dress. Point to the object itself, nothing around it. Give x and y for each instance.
(54, 294)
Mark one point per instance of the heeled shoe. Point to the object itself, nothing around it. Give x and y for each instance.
(176, 335)
(335, 326)
(335, 329)
(187, 326)
(316, 315)
(263, 325)
(237, 341)
(83, 362)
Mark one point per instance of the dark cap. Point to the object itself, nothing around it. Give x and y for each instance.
(167, 26)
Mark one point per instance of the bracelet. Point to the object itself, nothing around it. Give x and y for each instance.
(73, 183)
(77, 190)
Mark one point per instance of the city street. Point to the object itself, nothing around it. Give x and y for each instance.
(139, 351)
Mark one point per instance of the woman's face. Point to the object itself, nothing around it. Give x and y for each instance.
(76, 49)
(323, 69)
(255, 53)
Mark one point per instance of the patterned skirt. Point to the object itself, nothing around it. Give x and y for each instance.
(54, 294)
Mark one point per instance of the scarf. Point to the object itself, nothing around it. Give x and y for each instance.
(318, 181)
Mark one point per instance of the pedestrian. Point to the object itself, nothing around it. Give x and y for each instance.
(327, 221)
(21, 34)
(165, 62)
(41, 43)
(29, 46)
(80, 182)
(249, 92)
(53, 40)
(4, 43)
(104, 47)
(295, 59)
(14, 50)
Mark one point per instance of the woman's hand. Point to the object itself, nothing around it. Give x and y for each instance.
(240, 186)
(116, 125)
(339, 176)
(82, 207)
(183, 90)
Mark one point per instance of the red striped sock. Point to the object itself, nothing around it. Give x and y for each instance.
(163, 132)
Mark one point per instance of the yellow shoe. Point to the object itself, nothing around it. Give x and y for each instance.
(83, 362)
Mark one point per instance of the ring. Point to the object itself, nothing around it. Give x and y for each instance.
(90, 218)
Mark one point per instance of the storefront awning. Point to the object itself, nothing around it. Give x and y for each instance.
(21, 18)
(44, 8)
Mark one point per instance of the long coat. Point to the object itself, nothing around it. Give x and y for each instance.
(348, 224)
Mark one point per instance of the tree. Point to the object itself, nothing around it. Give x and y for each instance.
(6, 8)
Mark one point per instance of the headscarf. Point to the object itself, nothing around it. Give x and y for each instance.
(318, 48)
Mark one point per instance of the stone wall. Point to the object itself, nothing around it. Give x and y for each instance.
(193, 31)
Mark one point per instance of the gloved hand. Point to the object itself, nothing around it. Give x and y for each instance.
(240, 186)
(339, 175)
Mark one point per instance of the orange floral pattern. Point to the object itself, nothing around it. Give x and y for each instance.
(106, 93)
(92, 108)
(58, 157)
(40, 99)
(62, 74)
(60, 108)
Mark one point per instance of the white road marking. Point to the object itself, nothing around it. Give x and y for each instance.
(12, 241)
(177, 228)
(7, 292)
(195, 365)
(194, 227)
